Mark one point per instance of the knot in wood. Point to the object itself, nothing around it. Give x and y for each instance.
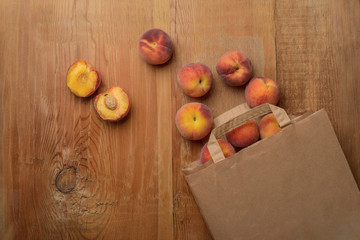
(66, 180)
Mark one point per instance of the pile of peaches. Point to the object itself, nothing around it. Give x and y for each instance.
(193, 120)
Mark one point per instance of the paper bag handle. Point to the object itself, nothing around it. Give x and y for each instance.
(240, 119)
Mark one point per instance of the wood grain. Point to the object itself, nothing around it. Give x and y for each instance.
(318, 55)
(204, 32)
(124, 188)
(128, 180)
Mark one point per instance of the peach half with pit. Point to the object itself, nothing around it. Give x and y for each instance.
(234, 68)
(261, 90)
(194, 121)
(195, 79)
(82, 79)
(268, 126)
(226, 148)
(245, 135)
(112, 105)
(155, 46)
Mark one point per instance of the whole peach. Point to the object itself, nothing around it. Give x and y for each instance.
(226, 148)
(245, 135)
(268, 126)
(261, 90)
(195, 79)
(155, 46)
(194, 121)
(234, 68)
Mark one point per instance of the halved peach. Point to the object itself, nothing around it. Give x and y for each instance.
(155, 46)
(113, 104)
(82, 79)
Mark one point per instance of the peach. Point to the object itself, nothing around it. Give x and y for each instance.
(155, 46)
(234, 68)
(112, 105)
(195, 79)
(245, 135)
(226, 148)
(82, 79)
(194, 121)
(261, 90)
(268, 126)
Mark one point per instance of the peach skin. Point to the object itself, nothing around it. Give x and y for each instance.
(261, 90)
(112, 105)
(194, 121)
(195, 79)
(226, 148)
(234, 68)
(155, 46)
(268, 126)
(245, 135)
(82, 79)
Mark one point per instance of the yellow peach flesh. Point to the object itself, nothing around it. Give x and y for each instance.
(82, 79)
(122, 104)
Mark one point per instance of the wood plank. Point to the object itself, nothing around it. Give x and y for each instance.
(204, 32)
(124, 169)
(318, 55)
(129, 180)
(163, 14)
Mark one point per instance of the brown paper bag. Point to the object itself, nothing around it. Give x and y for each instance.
(293, 185)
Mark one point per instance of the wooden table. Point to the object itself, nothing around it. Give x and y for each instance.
(128, 178)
